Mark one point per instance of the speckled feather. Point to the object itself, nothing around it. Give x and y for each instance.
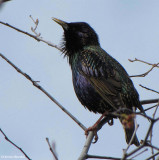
(97, 75)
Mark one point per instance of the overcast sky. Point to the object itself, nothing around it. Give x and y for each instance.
(127, 29)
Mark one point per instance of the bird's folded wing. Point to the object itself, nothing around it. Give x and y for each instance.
(107, 84)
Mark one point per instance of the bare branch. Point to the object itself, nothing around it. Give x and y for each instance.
(146, 73)
(89, 139)
(151, 134)
(86, 146)
(152, 156)
(152, 146)
(51, 149)
(36, 25)
(151, 107)
(140, 153)
(149, 89)
(32, 36)
(44, 91)
(14, 144)
(142, 62)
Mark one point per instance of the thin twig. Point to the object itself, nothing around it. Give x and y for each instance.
(36, 25)
(152, 146)
(134, 151)
(14, 144)
(148, 132)
(32, 36)
(140, 153)
(51, 149)
(44, 91)
(152, 156)
(149, 89)
(153, 116)
(151, 107)
(146, 73)
(151, 135)
(141, 61)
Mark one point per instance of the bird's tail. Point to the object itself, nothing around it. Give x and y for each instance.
(128, 134)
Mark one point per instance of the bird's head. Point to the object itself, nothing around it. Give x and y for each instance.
(77, 35)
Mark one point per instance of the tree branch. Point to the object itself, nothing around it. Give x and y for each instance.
(146, 73)
(31, 35)
(152, 156)
(140, 153)
(51, 149)
(151, 134)
(44, 91)
(151, 107)
(14, 144)
(86, 146)
(149, 101)
(135, 60)
(149, 89)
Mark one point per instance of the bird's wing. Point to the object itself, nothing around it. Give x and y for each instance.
(103, 77)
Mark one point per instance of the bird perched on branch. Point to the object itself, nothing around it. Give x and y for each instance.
(100, 82)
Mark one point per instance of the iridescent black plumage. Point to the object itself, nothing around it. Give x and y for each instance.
(100, 82)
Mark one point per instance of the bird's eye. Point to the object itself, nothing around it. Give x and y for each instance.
(80, 34)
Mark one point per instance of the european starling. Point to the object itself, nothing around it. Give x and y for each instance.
(100, 82)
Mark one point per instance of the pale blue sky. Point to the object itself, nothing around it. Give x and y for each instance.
(126, 29)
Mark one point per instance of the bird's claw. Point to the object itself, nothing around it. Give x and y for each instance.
(111, 122)
(95, 137)
(94, 129)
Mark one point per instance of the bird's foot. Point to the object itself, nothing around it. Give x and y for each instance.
(94, 129)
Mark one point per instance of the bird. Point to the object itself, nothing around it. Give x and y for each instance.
(100, 82)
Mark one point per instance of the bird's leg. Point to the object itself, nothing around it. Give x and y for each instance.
(94, 128)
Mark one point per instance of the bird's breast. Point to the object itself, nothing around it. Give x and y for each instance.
(86, 93)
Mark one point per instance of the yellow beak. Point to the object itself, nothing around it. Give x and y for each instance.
(61, 23)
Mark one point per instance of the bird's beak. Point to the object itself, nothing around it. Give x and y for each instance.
(61, 23)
